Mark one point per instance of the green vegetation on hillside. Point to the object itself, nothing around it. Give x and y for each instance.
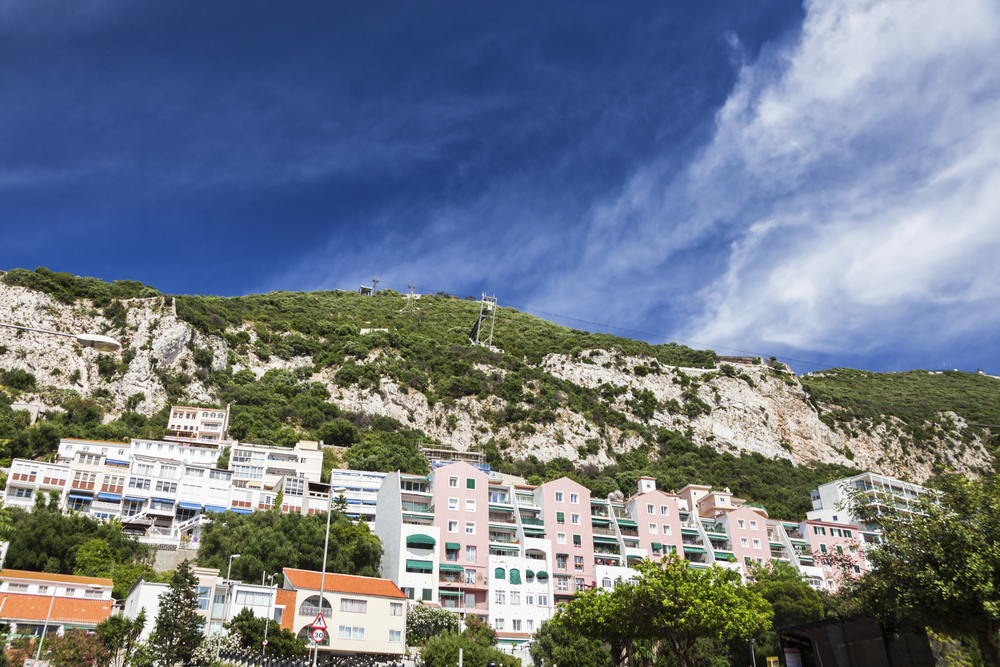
(67, 288)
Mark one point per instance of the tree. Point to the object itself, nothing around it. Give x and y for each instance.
(210, 647)
(423, 622)
(554, 646)
(478, 644)
(118, 635)
(670, 602)
(178, 625)
(940, 566)
(281, 643)
(75, 648)
(270, 541)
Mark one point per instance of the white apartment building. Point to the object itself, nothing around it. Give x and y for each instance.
(219, 600)
(263, 466)
(208, 425)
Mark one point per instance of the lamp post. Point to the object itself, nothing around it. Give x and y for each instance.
(229, 600)
(326, 546)
(230, 570)
(45, 628)
(267, 621)
(99, 343)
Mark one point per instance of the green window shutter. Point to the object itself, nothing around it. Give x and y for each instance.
(427, 594)
(470, 483)
(822, 548)
(499, 573)
(515, 576)
(561, 517)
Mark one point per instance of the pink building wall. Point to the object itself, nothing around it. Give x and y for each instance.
(737, 534)
(638, 505)
(550, 507)
(443, 492)
(845, 536)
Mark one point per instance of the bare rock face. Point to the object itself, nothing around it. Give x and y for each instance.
(754, 411)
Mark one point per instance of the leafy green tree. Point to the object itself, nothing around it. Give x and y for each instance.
(424, 622)
(478, 643)
(118, 635)
(270, 541)
(281, 643)
(554, 646)
(75, 648)
(670, 602)
(941, 566)
(178, 630)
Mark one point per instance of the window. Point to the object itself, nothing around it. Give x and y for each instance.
(396, 609)
(744, 542)
(395, 636)
(575, 518)
(753, 525)
(168, 487)
(606, 582)
(664, 510)
(857, 570)
(470, 505)
(666, 529)
(543, 600)
(470, 483)
(560, 517)
(350, 632)
(353, 606)
(531, 625)
(560, 538)
(516, 625)
(652, 528)
(578, 563)
(452, 526)
(259, 598)
(650, 509)
(499, 624)
(453, 503)
(848, 533)
(756, 544)
(559, 496)
(470, 555)
(840, 550)
(409, 592)
(500, 573)
(561, 583)
(561, 561)
(500, 597)
(577, 540)
(574, 498)
(470, 527)
(203, 593)
(529, 599)
(17, 588)
(741, 524)
(470, 577)
(822, 548)
(426, 594)
(453, 482)
(515, 597)
(579, 584)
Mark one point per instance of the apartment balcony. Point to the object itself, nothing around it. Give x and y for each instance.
(600, 512)
(530, 521)
(410, 506)
(503, 538)
(613, 550)
(599, 530)
(527, 503)
(629, 532)
(503, 518)
(721, 545)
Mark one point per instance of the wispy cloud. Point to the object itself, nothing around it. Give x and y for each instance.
(849, 199)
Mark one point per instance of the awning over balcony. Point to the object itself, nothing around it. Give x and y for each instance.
(80, 496)
(691, 549)
(600, 520)
(447, 567)
(419, 565)
(242, 511)
(689, 531)
(111, 497)
(189, 506)
(420, 540)
(605, 540)
(450, 594)
(628, 522)
(214, 508)
(504, 547)
(166, 501)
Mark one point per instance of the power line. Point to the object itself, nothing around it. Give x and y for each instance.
(655, 335)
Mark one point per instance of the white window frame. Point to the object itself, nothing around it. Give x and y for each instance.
(453, 526)
(652, 529)
(470, 527)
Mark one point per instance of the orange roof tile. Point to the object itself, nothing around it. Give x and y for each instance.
(62, 578)
(20, 607)
(288, 599)
(343, 583)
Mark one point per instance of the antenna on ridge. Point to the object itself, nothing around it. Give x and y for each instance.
(487, 310)
(409, 298)
(375, 285)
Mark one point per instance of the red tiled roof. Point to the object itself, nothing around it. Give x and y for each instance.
(514, 635)
(288, 599)
(62, 578)
(19, 607)
(343, 583)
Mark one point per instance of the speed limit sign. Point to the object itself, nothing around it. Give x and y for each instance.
(318, 634)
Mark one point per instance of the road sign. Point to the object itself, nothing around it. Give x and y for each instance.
(319, 623)
(318, 635)
(264, 642)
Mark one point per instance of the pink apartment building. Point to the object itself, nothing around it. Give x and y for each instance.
(460, 500)
(658, 515)
(833, 540)
(566, 511)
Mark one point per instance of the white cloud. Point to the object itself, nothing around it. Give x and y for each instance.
(853, 179)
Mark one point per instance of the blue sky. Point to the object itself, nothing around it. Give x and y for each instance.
(816, 181)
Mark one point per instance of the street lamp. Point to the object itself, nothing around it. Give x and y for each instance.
(99, 343)
(326, 545)
(267, 621)
(230, 570)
